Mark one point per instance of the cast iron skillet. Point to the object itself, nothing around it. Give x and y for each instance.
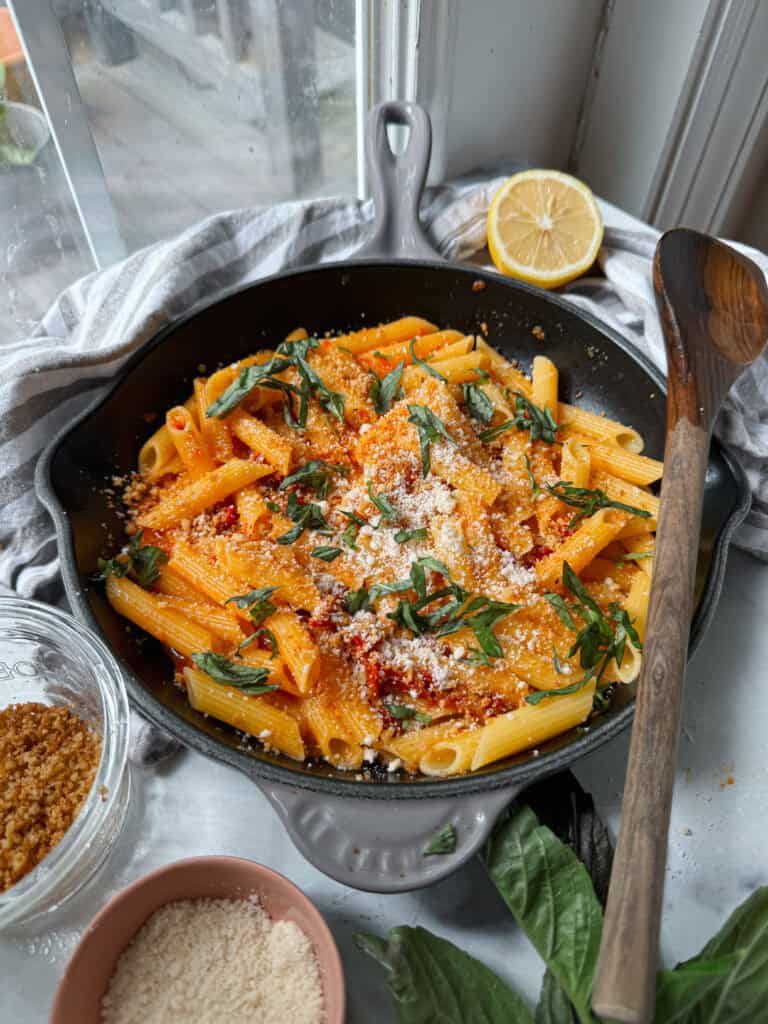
(367, 834)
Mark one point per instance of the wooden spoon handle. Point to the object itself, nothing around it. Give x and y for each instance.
(625, 980)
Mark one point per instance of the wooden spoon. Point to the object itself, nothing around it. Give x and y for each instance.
(713, 304)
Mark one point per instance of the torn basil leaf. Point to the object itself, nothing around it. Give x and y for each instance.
(442, 842)
(243, 677)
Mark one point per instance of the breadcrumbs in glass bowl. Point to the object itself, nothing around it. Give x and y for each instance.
(64, 786)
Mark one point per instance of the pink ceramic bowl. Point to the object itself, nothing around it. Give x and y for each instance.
(78, 999)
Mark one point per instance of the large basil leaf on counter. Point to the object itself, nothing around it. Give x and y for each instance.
(432, 980)
(680, 993)
(549, 892)
(553, 1006)
(736, 960)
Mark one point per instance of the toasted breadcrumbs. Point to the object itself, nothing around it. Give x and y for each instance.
(48, 760)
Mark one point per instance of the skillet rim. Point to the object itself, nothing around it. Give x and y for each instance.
(260, 771)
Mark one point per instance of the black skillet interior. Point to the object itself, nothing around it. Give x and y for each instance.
(596, 371)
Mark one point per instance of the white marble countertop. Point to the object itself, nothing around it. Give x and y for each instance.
(718, 836)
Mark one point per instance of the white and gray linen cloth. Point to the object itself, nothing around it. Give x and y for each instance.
(97, 324)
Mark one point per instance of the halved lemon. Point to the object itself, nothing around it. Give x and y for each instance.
(544, 227)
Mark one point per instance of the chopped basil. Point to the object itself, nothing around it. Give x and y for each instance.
(222, 670)
(385, 391)
(356, 600)
(424, 364)
(290, 354)
(380, 589)
(600, 640)
(479, 406)
(442, 842)
(306, 517)
(267, 634)
(406, 536)
(633, 556)
(316, 475)
(588, 501)
(350, 536)
(535, 489)
(388, 512)
(144, 560)
(430, 429)
(527, 417)
(248, 379)
(402, 712)
(257, 601)
(325, 554)
(476, 657)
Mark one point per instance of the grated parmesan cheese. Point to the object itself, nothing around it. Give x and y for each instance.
(210, 960)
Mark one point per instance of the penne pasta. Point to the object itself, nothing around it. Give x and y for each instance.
(417, 594)
(200, 494)
(252, 715)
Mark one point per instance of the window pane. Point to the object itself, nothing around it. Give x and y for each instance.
(198, 106)
(195, 106)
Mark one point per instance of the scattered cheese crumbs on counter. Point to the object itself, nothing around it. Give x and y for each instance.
(48, 760)
(210, 960)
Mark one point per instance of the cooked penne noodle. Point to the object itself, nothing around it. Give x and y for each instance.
(158, 452)
(252, 715)
(637, 469)
(582, 421)
(575, 463)
(273, 448)
(529, 725)
(165, 624)
(215, 432)
(580, 548)
(200, 494)
(386, 334)
(332, 737)
(507, 374)
(636, 601)
(644, 545)
(456, 370)
(544, 385)
(278, 570)
(412, 746)
(188, 441)
(297, 335)
(297, 648)
(451, 756)
(424, 346)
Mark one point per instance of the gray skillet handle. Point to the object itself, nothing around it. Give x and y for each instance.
(378, 845)
(397, 182)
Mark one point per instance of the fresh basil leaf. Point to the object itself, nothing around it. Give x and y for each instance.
(633, 556)
(316, 475)
(561, 804)
(267, 634)
(385, 391)
(430, 429)
(389, 513)
(380, 589)
(561, 691)
(434, 981)
(602, 699)
(112, 567)
(588, 501)
(356, 600)
(476, 657)
(400, 711)
(550, 895)
(306, 517)
(742, 991)
(557, 662)
(424, 364)
(257, 601)
(553, 1006)
(493, 432)
(247, 380)
(682, 993)
(300, 347)
(479, 406)
(561, 608)
(325, 554)
(442, 842)
(535, 489)
(529, 417)
(350, 536)
(222, 670)
(406, 536)
(331, 401)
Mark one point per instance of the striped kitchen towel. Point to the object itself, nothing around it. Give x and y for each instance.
(96, 324)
